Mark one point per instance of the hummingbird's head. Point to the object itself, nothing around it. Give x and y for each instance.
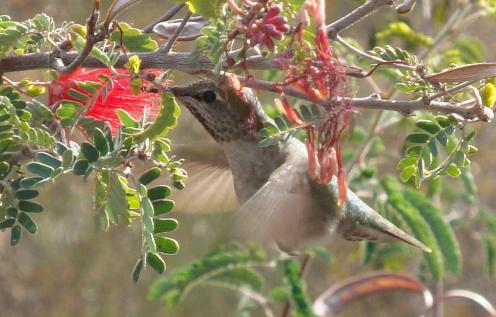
(224, 114)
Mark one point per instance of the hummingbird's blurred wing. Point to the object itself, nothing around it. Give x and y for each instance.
(209, 186)
(283, 210)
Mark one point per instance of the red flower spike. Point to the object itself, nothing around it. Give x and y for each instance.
(120, 96)
(291, 115)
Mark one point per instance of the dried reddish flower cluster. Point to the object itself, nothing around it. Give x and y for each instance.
(322, 78)
(119, 96)
(269, 28)
(260, 22)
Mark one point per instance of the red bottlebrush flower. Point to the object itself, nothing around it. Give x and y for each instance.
(120, 96)
(271, 26)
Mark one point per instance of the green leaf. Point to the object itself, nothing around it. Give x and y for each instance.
(417, 138)
(297, 289)
(126, 119)
(150, 175)
(164, 225)
(137, 270)
(7, 223)
(166, 245)
(15, 235)
(90, 152)
(40, 169)
(417, 224)
(80, 167)
(159, 192)
(26, 194)
(29, 206)
(101, 143)
(103, 220)
(156, 262)
(453, 170)
(220, 260)
(207, 9)
(442, 138)
(48, 159)
(407, 161)
(133, 39)
(27, 223)
(442, 231)
(79, 43)
(162, 206)
(78, 96)
(428, 126)
(407, 173)
(166, 119)
(30, 182)
(117, 204)
(67, 159)
(490, 255)
(240, 277)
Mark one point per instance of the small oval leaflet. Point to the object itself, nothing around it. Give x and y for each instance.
(164, 225)
(15, 235)
(26, 194)
(40, 169)
(90, 152)
(7, 223)
(166, 245)
(80, 167)
(156, 262)
(150, 175)
(29, 206)
(159, 192)
(162, 206)
(27, 223)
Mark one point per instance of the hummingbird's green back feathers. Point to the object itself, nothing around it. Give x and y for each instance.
(271, 183)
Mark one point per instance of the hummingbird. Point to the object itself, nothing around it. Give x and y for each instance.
(271, 183)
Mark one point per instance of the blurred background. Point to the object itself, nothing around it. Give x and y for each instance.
(71, 268)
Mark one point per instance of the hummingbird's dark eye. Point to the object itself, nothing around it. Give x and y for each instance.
(209, 96)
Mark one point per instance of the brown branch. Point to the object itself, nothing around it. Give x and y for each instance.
(179, 61)
(374, 102)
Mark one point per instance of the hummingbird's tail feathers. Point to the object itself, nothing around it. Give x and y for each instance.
(359, 222)
(282, 210)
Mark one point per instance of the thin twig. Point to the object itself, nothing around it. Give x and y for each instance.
(400, 64)
(167, 47)
(165, 17)
(91, 40)
(359, 13)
